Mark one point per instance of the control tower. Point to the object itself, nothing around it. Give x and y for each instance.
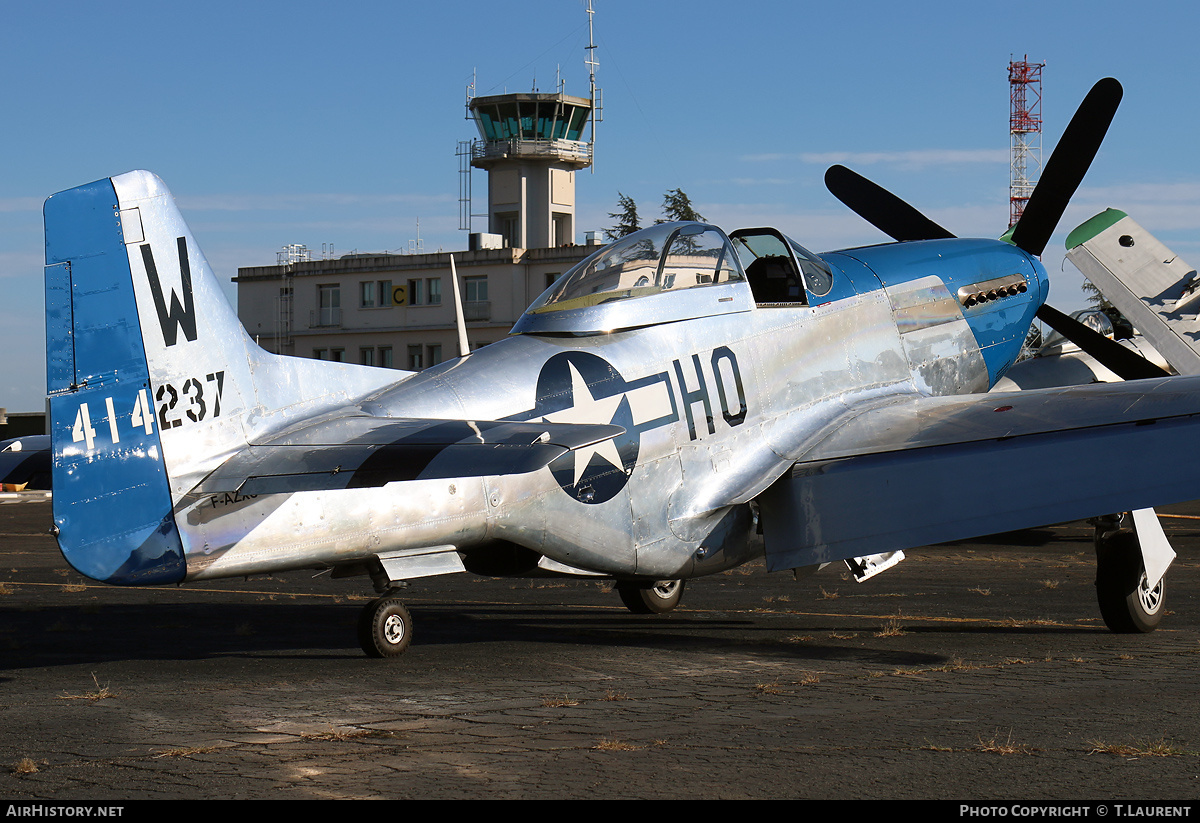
(531, 145)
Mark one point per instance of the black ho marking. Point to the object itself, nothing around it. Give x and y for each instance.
(177, 317)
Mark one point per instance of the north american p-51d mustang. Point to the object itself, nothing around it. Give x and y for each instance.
(673, 396)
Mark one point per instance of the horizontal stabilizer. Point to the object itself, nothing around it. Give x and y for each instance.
(360, 452)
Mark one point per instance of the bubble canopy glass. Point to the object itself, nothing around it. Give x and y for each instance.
(668, 272)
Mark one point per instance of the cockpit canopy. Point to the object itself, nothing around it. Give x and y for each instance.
(780, 270)
(670, 271)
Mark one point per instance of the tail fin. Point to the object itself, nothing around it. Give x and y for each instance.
(151, 378)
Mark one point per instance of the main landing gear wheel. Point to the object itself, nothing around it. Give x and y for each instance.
(1127, 603)
(658, 597)
(385, 627)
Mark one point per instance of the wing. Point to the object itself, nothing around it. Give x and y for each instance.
(927, 470)
(360, 451)
(1146, 281)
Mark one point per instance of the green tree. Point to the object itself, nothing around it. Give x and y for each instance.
(678, 206)
(1122, 328)
(1095, 297)
(627, 218)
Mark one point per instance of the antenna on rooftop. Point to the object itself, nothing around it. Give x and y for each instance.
(417, 246)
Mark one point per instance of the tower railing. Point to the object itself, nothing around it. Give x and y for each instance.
(571, 150)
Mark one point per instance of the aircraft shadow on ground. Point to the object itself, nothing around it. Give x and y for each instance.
(55, 636)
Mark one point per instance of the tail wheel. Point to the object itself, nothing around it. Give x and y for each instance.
(385, 628)
(1128, 603)
(651, 598)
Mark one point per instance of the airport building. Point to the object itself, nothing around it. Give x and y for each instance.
(397, 310)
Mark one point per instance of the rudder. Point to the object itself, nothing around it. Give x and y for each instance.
(112, 504)
(152, 379)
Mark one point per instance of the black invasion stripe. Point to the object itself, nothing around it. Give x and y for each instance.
(390, 464)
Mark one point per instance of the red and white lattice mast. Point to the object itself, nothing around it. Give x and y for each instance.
(1025, 131)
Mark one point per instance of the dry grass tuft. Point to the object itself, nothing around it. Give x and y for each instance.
(1145, 748)
(187, 751)
(995, 746)
(614, 745)
(892, 628)
(558, 702)
(101, 692)
(1015, 623)
(24, 766)
(339, 734)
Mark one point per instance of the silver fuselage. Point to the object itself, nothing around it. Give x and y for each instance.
(721, 406)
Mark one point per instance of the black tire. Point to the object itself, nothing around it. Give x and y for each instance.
(385, 628)
(1127, 604)
(658, 597)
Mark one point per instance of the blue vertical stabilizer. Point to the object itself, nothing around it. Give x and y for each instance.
(108, 470)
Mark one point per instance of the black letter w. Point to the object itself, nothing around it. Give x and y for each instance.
(178, 317)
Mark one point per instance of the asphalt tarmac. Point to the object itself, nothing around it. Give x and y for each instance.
(972, 671)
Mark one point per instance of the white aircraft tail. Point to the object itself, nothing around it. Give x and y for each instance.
(152, 380)
(1148, 283)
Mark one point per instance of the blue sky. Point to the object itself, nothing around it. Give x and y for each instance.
(307, 122)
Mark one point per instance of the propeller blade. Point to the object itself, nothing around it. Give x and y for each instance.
(1066, 167)
(879, 207)
(1126, 364)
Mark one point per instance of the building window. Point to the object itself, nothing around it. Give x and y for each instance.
(551, 277)
(366, 296)
(385, 356)
(475, 289)
(416, 292)
(337, 355)
(434, 290)
(435, 355)
(385, 293)
(509, 226)
(366, 355)
(414, 358)
(320, 354)
(329, 305)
